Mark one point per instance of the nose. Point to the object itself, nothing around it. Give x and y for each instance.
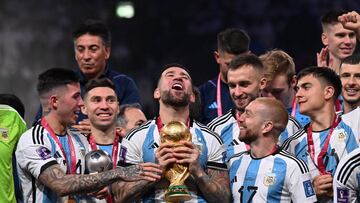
(104, 104)
(298, 93)
(80, 102)
(351, 80)
(347, 39)
(238, 91)
(86, 54)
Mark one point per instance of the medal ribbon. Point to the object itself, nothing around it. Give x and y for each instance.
(322, 153)
(218, 95)
(72, 168)
(293, 108)
(115, 148)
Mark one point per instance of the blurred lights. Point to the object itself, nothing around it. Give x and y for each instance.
(125, 9)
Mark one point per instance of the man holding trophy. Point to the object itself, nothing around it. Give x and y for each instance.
(190, 155)
(51, 157)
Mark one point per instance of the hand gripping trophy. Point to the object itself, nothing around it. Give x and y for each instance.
(174, 132)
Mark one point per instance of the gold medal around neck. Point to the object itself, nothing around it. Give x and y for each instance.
(173, 133)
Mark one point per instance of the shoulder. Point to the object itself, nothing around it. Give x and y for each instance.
(118, 77)
(219, 121)
(293, 121)
(238, 155)
(206, 130)
(292, 139)
(348, 166)
(140, 131)
(294, 162)
(208, 84)
(34, 135)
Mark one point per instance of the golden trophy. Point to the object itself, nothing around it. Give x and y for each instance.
(173, 133)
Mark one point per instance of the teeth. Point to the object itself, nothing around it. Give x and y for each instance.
(177, 86)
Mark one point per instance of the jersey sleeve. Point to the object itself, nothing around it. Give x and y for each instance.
(33, 157)
(300, 186)
(131, 151)
(216, 153)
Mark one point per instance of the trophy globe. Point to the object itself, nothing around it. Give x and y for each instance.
(97, 161)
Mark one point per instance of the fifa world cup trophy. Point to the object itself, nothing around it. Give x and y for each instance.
(173, 133)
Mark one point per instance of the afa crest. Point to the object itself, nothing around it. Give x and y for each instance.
(269, 179)
(4, 134)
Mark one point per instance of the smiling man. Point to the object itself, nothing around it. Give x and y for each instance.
(350, 79)
(339, 42)
(327, 138)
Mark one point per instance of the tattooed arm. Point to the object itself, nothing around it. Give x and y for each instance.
(67, 184)
(130, 191)
(214, 185)
(125, 192)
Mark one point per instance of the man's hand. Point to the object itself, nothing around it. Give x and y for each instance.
(83, 127)
(165, 155)
(101, 194)
(143, 171)
(322, 58)
(323, 184)
(188, 153)
(351, 21)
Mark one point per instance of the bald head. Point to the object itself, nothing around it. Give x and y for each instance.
(274, 111)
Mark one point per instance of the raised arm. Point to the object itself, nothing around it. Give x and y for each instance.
(67, 184)
(351, 21)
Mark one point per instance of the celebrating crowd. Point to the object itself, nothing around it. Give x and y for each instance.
(260, 132)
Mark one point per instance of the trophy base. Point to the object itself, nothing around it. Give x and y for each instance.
(177, 193)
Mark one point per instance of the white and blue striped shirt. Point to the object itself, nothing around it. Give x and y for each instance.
(276, 178)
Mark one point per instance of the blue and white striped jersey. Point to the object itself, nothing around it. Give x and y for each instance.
(228, 129)
(141, 144)
(36, 151)
(346, 183)
(344, 139)
(279, 177)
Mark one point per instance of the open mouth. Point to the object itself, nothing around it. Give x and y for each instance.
(351, 91)
(177, 86)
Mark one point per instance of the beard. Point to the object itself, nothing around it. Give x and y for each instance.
(171, 99)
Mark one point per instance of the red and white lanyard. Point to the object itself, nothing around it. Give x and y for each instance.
(237, 116)
(218, 96)
(115, 148)
(293, 108)
(72, 168)
(322, 153)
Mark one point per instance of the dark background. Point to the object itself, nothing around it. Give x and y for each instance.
(35, 35)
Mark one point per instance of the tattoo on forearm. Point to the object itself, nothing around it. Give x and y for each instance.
(130, 191)
(63, 184)
(215, 186)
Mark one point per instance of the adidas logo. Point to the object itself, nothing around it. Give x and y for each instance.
(213, 105)
(154, 145)
(233, 143)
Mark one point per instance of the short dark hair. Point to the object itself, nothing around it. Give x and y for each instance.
(93, 27)
(323, 74)
(98, 82)
(233, 41)
(352, 60)
(247, 59)
(13, 101)
(121, 119)
(55, 77)
(331, 17)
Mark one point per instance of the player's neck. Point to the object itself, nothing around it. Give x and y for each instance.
(103, 137)
(322, 119)
(262, 147)
(55, 124)
(335, 66)
(168, 114)
(349, 107)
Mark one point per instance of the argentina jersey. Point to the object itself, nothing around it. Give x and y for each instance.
(342, 141)
(141, 144)
(37, 151)
(347, 178)
(276, 178)
(227, 127)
